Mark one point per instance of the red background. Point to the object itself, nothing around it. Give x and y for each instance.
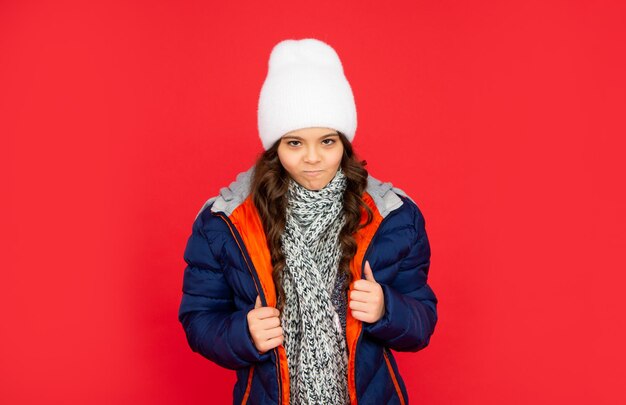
(504, 120)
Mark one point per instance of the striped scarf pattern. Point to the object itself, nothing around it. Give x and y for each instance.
(313, 334)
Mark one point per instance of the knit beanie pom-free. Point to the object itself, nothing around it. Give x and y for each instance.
(305, 87)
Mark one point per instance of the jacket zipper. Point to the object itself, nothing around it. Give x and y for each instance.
(247, 259)
(393, 375)
(248, 386)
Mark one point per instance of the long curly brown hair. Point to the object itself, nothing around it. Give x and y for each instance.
(269, 193)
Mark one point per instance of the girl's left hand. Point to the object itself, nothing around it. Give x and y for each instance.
(367, 300)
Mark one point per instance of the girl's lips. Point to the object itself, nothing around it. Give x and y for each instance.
(312, 173)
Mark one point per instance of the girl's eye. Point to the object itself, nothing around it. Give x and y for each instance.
(328, 141)
(293, 143)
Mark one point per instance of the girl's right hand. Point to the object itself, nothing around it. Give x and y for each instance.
(264, 326)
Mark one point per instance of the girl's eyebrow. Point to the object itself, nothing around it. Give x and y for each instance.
(300, 139)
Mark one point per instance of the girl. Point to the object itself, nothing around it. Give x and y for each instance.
(306, 271)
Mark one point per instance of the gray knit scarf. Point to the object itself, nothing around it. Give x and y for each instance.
(314, 340)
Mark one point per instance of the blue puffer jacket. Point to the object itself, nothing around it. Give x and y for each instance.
(228, 265)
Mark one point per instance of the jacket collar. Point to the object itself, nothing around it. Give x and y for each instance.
(384, 195)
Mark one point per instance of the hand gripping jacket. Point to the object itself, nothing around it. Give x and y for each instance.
(228, 265)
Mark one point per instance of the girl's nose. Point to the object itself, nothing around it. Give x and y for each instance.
(312, 156)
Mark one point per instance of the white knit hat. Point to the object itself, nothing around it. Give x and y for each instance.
(305, 87)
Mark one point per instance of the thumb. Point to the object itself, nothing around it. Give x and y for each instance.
(257, 304)
(369, 275)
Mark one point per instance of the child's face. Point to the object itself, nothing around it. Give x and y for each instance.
(311, 156)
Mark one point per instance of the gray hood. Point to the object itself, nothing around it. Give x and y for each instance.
(384, 194)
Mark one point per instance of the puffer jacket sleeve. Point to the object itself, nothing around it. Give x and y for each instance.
(212, 324)
(410, 304)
